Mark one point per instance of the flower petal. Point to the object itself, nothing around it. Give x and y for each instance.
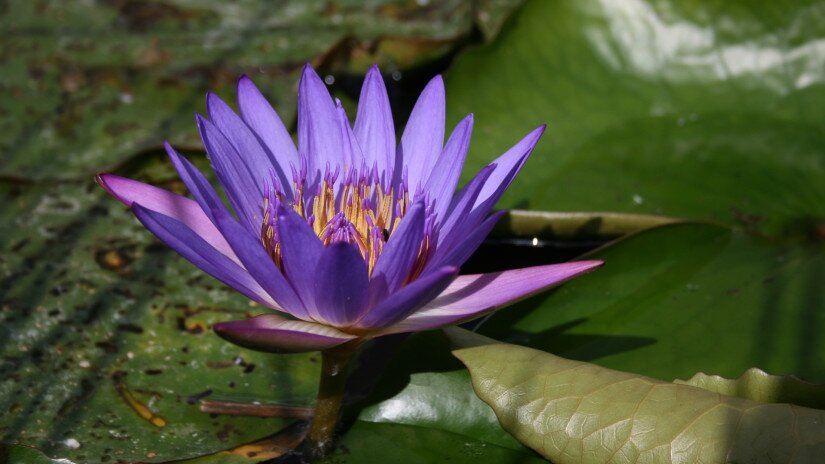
(319, 135)
(276, 334)
(459, 253)
(242, 186)
(398, 256)
(301, 251)
(259, 264)
(178, 207)
(188, 244)
(350, 150)
(507, 167)
(264, 121)
(341, 283)
(471, 296)
(451, 231)
(424, 135)
(196, 182)
(373, 124)
(410, 298)
(444, 178)
(257, 159)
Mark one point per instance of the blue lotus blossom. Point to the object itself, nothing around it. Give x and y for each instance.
(349, 236)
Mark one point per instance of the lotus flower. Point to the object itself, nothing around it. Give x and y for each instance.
(348, 236)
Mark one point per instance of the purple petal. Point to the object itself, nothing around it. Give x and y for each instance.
(452, 231)
(319, 134)
(242, 186)
(373, 124)
(276, 334)
(424, 134)
(350, 150)
(444, 178)
(192, 247)
(459, 253)
(507, 166)
(178, 207)
(407, 300)
(471, 296)
(398, 256)
(264, 120)
(259, 264)
(301, 251)
(257, 159)
(341, 283)
(196, 182)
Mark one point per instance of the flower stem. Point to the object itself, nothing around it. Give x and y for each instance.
(335, 366)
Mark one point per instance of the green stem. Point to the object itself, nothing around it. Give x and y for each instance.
(335, 365)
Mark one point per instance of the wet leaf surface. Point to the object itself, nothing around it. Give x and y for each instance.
(86, 85)
(575, 412)
(106, 340)
(757, 385)
(708, 111)
(684, 298)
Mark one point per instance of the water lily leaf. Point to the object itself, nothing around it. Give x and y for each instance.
(106, 343)
(23, 454)
(381, 443)
(76, 104)
(757, 385)
(527, 224)
(432, 392)
(708, 110)
(683, 298)
(575, 412)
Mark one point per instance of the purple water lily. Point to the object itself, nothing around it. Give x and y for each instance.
(349, 236)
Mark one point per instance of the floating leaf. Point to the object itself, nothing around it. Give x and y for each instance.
(706, 110)
(678, 299)
(575, 412)
(757, 385)
(87, 85)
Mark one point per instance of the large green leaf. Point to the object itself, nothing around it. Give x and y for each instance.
(693, 109)
(683, 298)
(575, 412)
(106, 345)
(756, 384)
(85, 85)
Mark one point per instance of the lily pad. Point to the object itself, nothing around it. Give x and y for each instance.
(757, 385)
(87, 85)
(575, 412)
(704, 111)
(678, 299)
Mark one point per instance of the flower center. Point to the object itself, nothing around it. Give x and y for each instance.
(356, 208)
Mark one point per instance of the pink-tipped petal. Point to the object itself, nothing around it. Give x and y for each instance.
(471, 296)
(373, 124)
(188, 244)
(424, 135)
(276, 334)
(178, 207)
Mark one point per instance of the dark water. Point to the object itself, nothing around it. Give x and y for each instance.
(499, 254)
